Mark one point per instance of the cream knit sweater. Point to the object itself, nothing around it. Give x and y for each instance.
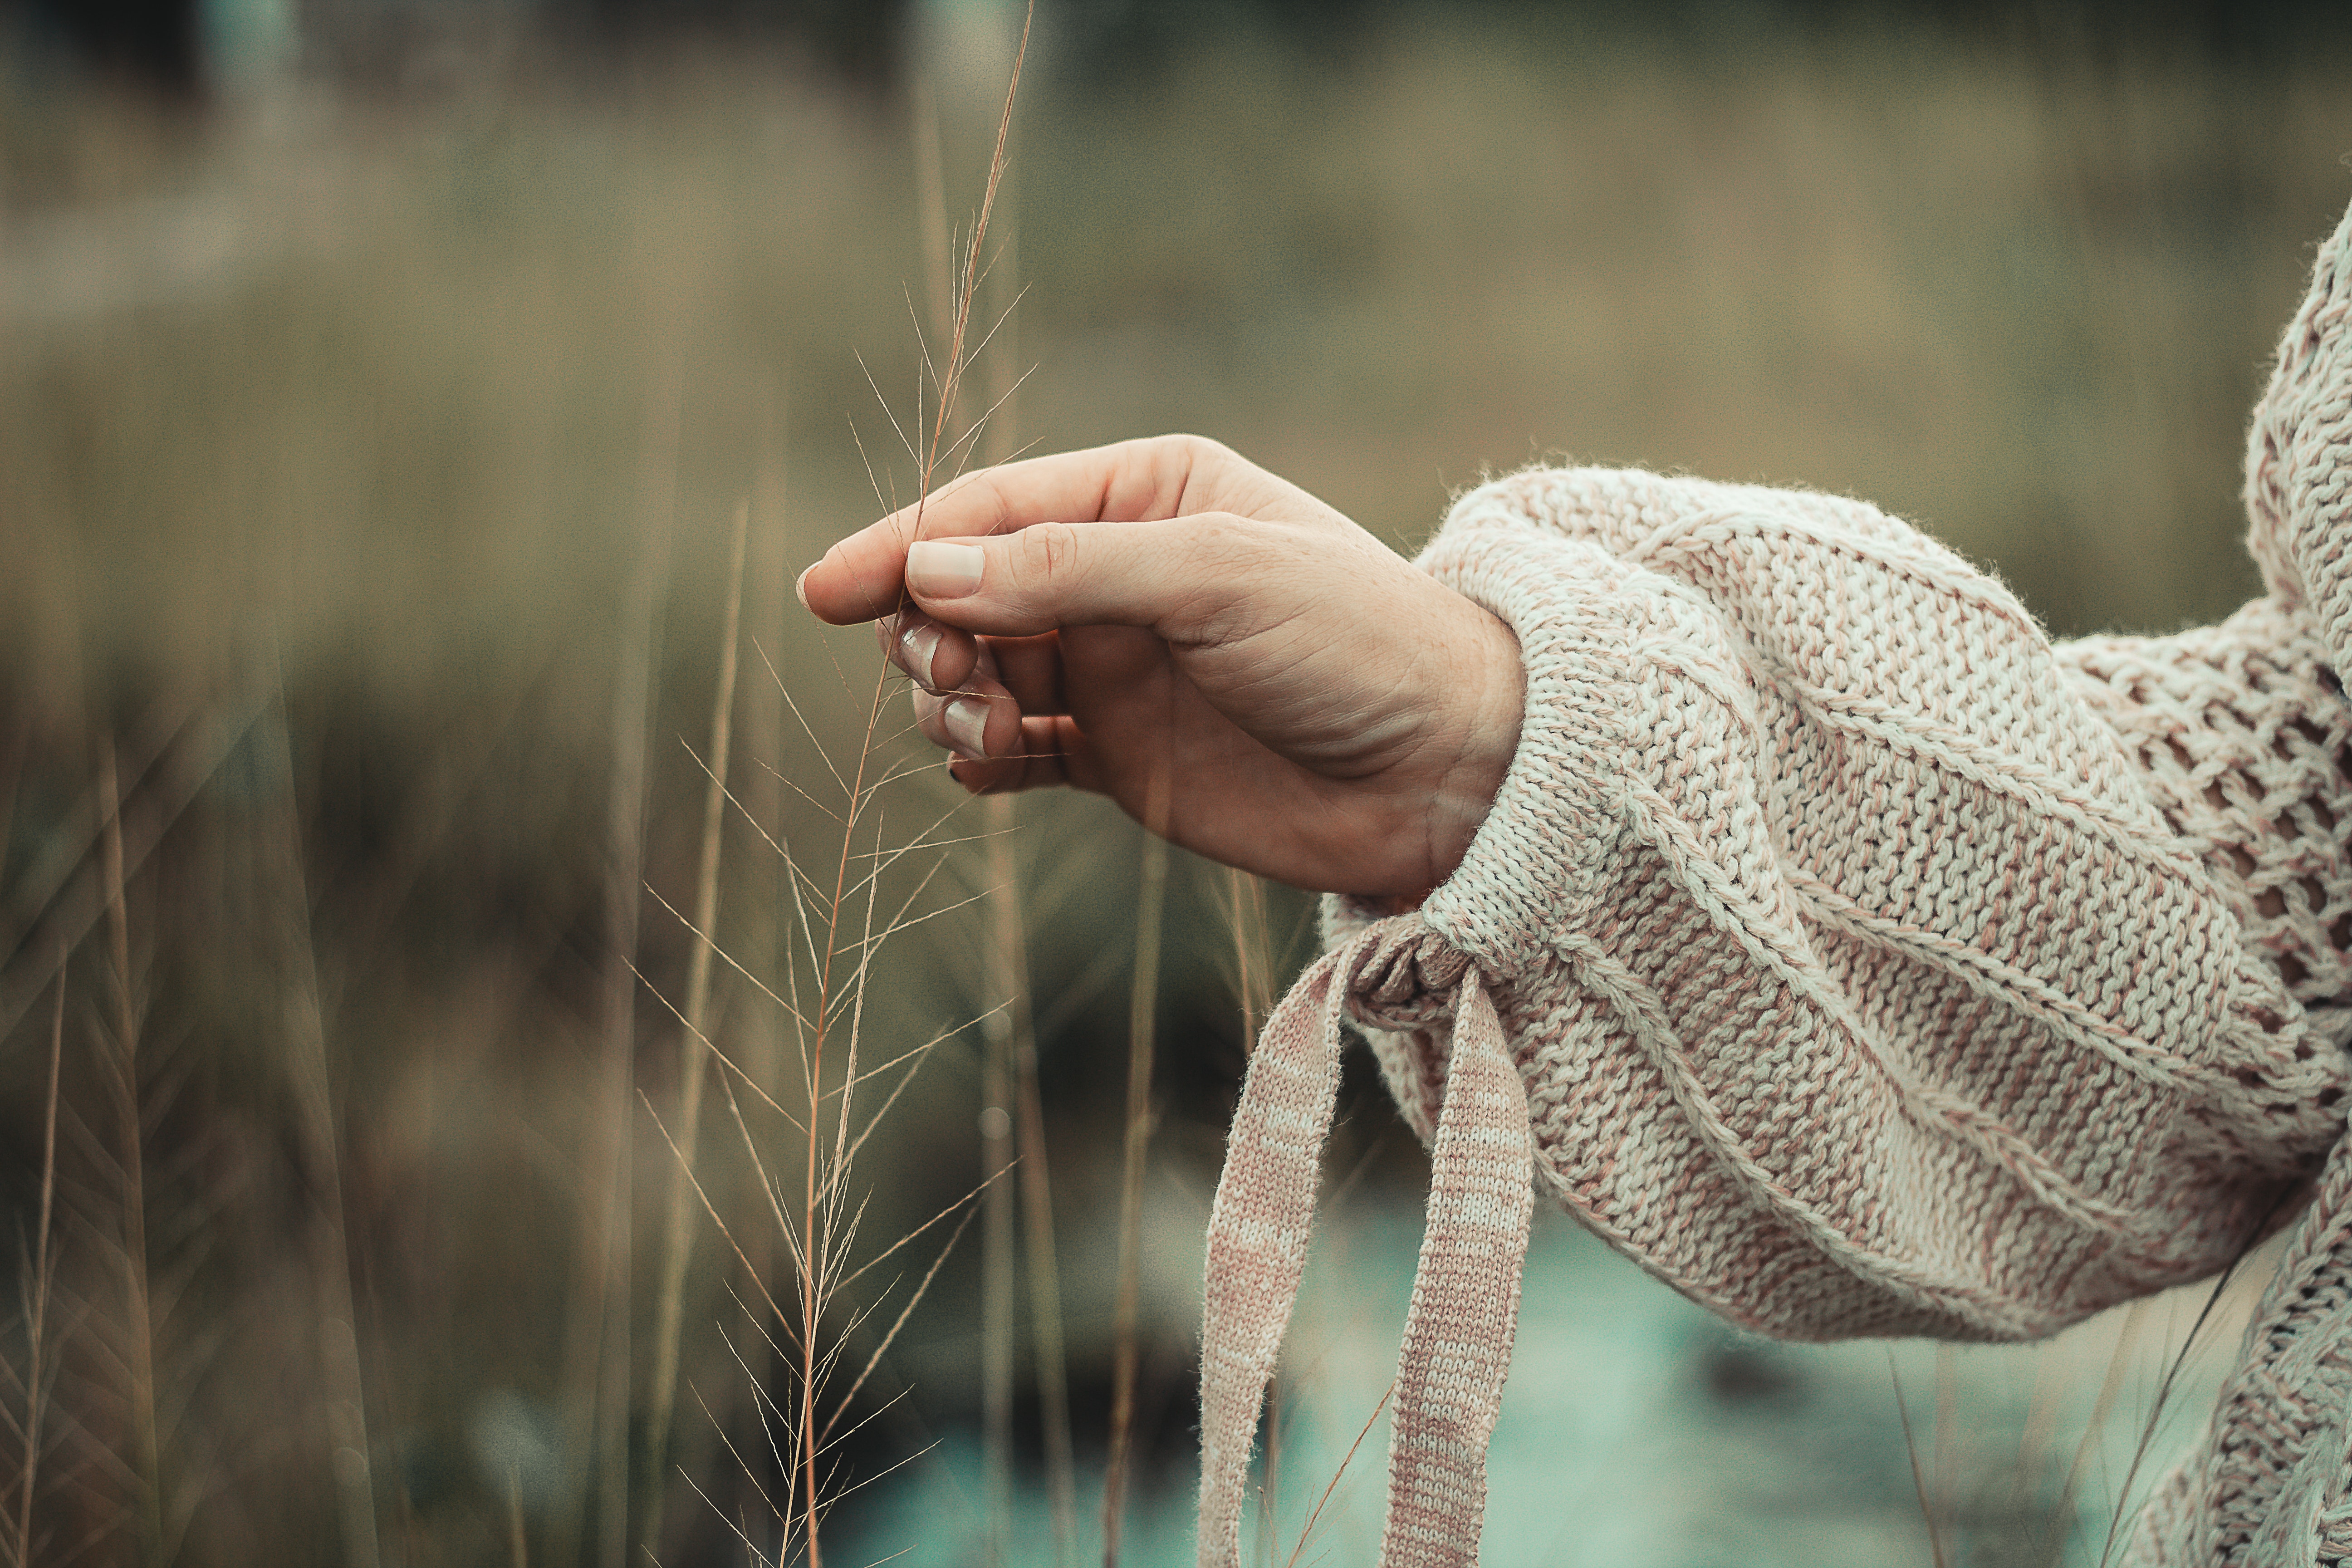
(1859, 963)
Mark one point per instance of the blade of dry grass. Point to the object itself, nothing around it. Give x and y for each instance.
(74, 919)
(1927, 1508)
(54, 866)
(999, 1276)
(1036, 1188)
(1010, 1116)
(317, 1124)
(1307, 1532)
(518, 1535)
(1945, 1458)
(2163, 1396)
(39, 1285)
(678, 1234)
(832, 926)
(758, 1059)
(12, 779)
(2134, 1316)
(144, 1462)
(957, 359)
(597, 1358)
(1144, 1003)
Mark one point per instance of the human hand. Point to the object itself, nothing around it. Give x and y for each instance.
(1238, 666)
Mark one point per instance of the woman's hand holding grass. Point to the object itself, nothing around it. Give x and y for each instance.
(1162, 615)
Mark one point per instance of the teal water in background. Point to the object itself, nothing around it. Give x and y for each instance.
(1639, 1431)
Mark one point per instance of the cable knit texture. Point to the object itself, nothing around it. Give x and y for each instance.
(1868, 967)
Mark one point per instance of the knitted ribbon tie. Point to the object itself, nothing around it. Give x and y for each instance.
(1466, 1292)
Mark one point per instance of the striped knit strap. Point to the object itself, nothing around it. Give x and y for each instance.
(1257, 1234)
(1465, 1299)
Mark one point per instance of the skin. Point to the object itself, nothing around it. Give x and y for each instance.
(1237, 665)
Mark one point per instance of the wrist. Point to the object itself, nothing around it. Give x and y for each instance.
(1490, 686)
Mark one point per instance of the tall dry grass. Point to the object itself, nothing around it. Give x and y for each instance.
(363, 1212)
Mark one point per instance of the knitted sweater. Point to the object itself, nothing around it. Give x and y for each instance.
(1859, 963)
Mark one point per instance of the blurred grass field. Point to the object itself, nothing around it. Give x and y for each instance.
(336, 430)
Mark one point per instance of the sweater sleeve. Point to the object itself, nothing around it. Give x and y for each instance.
(1873, 966)
(2299, 457)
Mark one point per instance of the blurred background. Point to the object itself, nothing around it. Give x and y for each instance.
(381, 382)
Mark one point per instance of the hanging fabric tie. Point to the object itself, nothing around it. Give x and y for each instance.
(1466, 1292)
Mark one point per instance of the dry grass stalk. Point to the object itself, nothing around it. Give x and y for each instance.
(838, 939)
(518, 1532)
(597, 1359)
(678, 1241)
(1306, 1530)
(999, 1236)
(32, 1388)
(767, 933)
(820, 1232)
(1143, 1004)
(327, 1238)
(2110, 1385)
(1012, 1070)
(2188, 1344)
(1927, 1494)
(765, 916)
(1037, 1185)
(831, 935)
(1000, 1275)
(12, 779)
(144, 1460)
(1944, 1456)
(54, 895)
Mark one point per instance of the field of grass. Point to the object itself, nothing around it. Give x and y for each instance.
(369, 478)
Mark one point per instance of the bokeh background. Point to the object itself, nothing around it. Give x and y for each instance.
(379, 383)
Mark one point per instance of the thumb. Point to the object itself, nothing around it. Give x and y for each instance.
(1177, 576)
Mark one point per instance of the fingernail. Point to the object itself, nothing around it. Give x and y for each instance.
(967, 721)
(939, 571)
(800, 584)
(919, 643)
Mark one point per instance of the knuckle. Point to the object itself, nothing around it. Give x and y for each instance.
(1189, 469)
(1197, 450)
(1049, 551)
(1000, 502)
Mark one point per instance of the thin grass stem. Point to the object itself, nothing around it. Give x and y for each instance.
(1143, 1004)
(145, 1459)
(1927, 1509)
(678, 1241)
(316, 1125)
(597, 1356)
(39, 1287)
(1048, 1349)
(1331, 1487)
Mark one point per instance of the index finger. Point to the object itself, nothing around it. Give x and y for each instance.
(1129, 481)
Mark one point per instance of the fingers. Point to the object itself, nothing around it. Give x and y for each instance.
(1051, 752)
(1183, 578)
(982, 723)
(1031, 754)
(940, 657)
(943, 659)
(859, 578)
(1001, 735)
